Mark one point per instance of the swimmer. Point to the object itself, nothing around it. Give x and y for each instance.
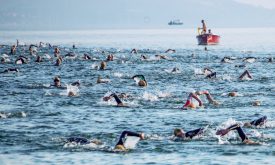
(13, 50)
(241, 133)
(3, 60)
(227, 60)
(175, 69)
(103, 65)
(249, 59)
(21, 60)
(100, 80)
(142, 82)
(11, 70)
(122, 138)
(240, 66)
(170, 51)
(58, 62)
(118, 101)
(56, 52)
(83, 141)
(70, 54)
(270, 59)
(134, 51)
(110, 57)
(86, 57)
(41, 44)
(57, 82)
(258, 122)
(232, 94)
(32, 51)
(189, 103)
(38, 59)
(209, 73)
(245, 73)
(178, 132)
(143, 57)
(159, 56)
(256, 103)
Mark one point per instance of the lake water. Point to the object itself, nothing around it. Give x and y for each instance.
(36, 118)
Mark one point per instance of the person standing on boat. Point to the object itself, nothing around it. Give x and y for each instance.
(204, 29)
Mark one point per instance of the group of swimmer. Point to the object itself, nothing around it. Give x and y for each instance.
(141, 81)
(178, 134)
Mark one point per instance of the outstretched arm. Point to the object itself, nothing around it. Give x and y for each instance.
(128, 133)
(234, 127)
(197, 98)
(246, 72)
(118, 101)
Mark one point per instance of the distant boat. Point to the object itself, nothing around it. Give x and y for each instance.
(175, 22)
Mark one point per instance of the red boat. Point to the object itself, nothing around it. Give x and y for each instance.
(208, 39)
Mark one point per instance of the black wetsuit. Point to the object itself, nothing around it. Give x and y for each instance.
(259, 121)
(79, 140)
(11, 70)
(212, 75)
(124, 134)
(118, 101)
(196, 132)
(240, 131)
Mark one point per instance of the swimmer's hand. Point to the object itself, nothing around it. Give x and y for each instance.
(183, 108)
(248, 141)
(214, 102)
(142, 136)
(96, 141)
(222, 132)
(107, 98)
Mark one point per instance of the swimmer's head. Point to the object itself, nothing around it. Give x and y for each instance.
(256, 103)
(120, 147)
(142, 83)
(71, 93)
(202, 21)
(232, 94)
(110, 57)
(179, 132)
(56, 81)
(58, 62)
(192, 105)
(103, 65)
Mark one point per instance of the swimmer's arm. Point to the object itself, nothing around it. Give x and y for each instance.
(223, 132)
(197, 98)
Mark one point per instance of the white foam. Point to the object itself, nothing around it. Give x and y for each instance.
(149, 97)
(226, 77)
(73, 89)
(162, 94)
(95, 66)
(3, 116)
(23, 114)
(131, 142)
(198, 71)
(117, 74)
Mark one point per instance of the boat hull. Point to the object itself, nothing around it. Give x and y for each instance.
(208, 39)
